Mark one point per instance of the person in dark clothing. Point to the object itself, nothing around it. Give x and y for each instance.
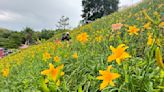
(65, 37)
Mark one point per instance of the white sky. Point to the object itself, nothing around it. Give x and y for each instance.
(39, 14)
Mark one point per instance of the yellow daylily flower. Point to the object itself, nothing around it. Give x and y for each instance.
(118, 53)
(83, 37)
(133, 30)
(5, 72)
(75, 55)
(53, 72)
(46, 56)
(107, 77)
(56, 59)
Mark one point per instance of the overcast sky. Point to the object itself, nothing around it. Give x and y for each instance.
(39, 14)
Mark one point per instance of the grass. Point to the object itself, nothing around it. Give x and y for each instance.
(140, 73)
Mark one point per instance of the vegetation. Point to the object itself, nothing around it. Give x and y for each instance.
(63, 23)
(93, 9)
(10, 39)
(121, 52)
(14, 39)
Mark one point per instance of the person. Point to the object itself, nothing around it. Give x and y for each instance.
(66, 36)
(63, 37)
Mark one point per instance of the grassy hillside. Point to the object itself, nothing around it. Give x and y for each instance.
(83, 63)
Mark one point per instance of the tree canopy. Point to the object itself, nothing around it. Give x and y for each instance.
(93, 9)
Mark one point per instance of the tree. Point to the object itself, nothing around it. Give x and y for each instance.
(15, 39)
(10, 39)
(63, 23)
(93, 9)
(28, 35)
(46, 34)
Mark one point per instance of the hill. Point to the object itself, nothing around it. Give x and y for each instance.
(130, 41)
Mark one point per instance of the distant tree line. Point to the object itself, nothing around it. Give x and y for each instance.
(28, 36)
(13, 39)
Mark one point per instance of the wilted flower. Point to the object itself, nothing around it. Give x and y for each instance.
(83, 37)
(158, 56)
(133, 30)
(107, 77)
(118, 53)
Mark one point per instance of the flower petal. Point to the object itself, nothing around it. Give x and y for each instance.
(45, 72)
(112, 57)
(121, 45)
(112, 48)
(103, 72)
(51, 66)
(118, 61)
(103, 85)
(125, 55)
(111, 83)
(109, 67)
(62, 73)
(115, 75)
(100, 77)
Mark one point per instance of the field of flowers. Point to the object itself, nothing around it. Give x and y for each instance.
(118, 53)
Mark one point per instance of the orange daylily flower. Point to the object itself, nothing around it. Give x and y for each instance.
(133, 30)
(118, 53)
(57, 41)
(107, 77)
(116, 26)
(83, 37)
(53, 72)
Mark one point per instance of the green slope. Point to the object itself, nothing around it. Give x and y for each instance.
(140, 73)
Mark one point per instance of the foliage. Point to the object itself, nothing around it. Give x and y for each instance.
(85, 62)
(46, 34)
(93, 9)
(10, 39)
(13, 39)
(28, 35)
(63, 23)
